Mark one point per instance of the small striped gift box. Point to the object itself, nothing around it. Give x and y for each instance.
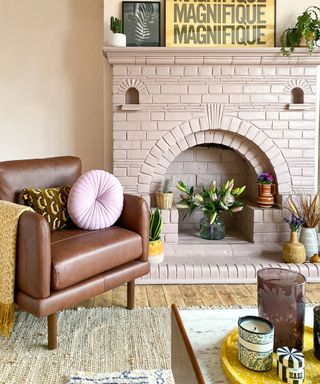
(290, 365)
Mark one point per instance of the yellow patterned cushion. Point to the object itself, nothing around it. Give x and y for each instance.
(50, 203)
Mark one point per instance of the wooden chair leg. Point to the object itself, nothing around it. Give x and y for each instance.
(130, 294)
(52, 331)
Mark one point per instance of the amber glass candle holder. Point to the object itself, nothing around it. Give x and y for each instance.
(281, 300)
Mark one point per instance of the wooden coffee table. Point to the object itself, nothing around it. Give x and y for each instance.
(196, 340)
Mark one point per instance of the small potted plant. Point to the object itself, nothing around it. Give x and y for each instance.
(212, 201)
(266, 190)
(118, 38)
(293, 251)
(164, 198)
(307, 208)
(305, 32)
(156, 254)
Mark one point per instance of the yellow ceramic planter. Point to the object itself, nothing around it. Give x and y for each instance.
(156, 254)
(293, 251)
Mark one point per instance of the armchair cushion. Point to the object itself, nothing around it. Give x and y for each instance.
(51, 203)
(78, 254)
(95, 200)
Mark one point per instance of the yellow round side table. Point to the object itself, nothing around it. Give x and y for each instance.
(236, 373)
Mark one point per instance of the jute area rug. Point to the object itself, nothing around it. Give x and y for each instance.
(95, 340)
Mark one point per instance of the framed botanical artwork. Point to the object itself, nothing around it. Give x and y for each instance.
(227, 23)
(141, 23)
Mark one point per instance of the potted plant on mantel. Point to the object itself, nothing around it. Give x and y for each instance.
(306, 32)
(164, 198)
(212, 201)
(307, 208)
(118, 38)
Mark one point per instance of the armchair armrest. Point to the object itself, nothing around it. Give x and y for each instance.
(135, 217)
(33, 265)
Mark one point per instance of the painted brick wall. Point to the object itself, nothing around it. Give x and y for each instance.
(247, 107)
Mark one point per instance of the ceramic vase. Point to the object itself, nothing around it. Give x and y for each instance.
(309, 238)
(266, 195)
(293, 251)
(215, 231)
(156, 254)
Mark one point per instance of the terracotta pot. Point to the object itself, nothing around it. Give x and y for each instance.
(293, 251)
(156, 254)
(266, 195)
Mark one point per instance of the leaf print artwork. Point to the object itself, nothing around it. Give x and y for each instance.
(141, 23)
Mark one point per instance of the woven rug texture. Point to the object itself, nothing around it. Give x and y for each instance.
(95, 340)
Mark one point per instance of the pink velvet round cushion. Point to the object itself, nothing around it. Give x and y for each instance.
(95, 200)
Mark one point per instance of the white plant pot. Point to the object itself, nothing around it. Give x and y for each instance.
(309, 238)
(118, 40)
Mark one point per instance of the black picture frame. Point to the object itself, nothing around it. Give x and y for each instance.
(141, 23)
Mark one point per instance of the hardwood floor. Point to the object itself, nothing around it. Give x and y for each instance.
(189, 296)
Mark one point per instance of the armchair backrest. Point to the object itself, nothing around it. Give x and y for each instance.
(37, 173)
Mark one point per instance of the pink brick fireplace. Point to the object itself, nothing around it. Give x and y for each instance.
(205, 114)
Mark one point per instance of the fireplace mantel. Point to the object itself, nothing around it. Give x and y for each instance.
(208, 56)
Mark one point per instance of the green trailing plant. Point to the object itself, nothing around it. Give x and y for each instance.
(307, 27)
(166, 186)
(155, 225)
(115, 25)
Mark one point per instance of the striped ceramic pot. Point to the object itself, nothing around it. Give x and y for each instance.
(266, 195)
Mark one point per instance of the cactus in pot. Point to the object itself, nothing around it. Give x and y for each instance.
(118, 38)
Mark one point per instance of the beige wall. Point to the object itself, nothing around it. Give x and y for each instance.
(51, 79)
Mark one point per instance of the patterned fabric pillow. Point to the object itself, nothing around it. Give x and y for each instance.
(50, 203)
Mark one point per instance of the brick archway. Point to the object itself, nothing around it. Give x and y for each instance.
(250, 142)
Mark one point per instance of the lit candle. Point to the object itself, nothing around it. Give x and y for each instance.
(257, 325)
(255, 343)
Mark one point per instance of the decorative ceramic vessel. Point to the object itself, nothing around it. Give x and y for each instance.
(293, 251)
(118, 40)
(281, 300)
(255, 343)
(266, 195)
(215, 231)
(164, 200)
(156, 254)
(309, 238)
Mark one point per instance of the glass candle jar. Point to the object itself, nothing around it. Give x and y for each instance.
(281, 300)
(255, 343)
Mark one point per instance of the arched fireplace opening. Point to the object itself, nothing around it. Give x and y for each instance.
(202, 164)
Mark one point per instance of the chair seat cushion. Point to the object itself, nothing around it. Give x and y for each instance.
(79, 254)
(95, 200)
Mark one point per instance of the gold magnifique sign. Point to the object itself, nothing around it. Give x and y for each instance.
(220, 23)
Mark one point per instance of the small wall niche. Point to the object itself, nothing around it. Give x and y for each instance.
(132, 96)
(297, 96)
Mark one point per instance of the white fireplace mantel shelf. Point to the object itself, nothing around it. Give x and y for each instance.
(208, 56)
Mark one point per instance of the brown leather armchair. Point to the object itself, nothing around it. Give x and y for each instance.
(58, 270)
